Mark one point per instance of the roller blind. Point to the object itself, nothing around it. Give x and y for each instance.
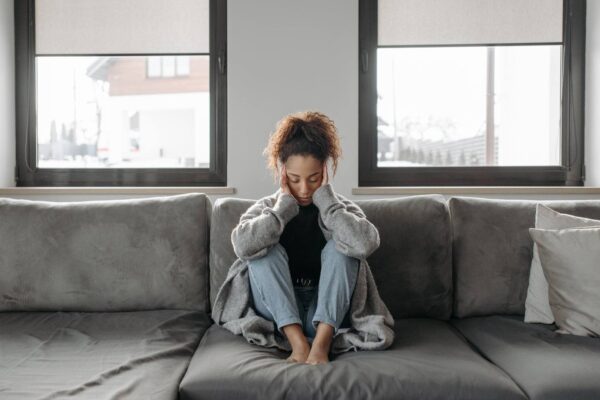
(71, 27)
(456, 22)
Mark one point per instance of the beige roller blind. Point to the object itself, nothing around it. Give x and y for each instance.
(455, 22)
(121, 26)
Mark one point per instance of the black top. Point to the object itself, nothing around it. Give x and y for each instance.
(303, 241)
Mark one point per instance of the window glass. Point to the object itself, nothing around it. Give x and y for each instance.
(183, 65)
(468, 106)
(106, 112)
(168, 66)
(154, 67)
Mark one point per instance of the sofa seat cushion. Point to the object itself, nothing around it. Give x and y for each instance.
(428, 359)
(545, 364)
(140, 355)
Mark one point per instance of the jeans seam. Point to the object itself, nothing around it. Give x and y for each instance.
(261, 296)
(326, 320)
(288, 320)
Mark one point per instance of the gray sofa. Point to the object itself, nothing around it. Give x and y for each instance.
(112, 299)
(103, 299)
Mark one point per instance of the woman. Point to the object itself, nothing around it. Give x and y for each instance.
(303, 248)
(285, 282)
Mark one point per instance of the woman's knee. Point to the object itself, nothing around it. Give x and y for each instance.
(331, 253)
(276, 257)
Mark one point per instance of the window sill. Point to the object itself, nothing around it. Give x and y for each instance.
(116, 190)
(464, 190)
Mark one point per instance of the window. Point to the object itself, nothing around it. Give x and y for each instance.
(121, 93)
(471, 92)
(167, 66)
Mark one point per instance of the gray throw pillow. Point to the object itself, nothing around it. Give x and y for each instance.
(571, 263)
(537, 307)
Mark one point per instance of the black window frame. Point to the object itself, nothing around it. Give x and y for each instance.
(570, 173)
(28, 174)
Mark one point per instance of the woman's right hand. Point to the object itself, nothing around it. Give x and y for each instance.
(283, 181)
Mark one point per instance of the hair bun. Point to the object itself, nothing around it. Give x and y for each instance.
(302, 129)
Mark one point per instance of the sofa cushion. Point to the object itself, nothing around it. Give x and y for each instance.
(109, 255)
(428, 360)
(492, 251)
(570, 259)
(226, 213)
(546, 365)
(537, 304)
(134, 355)
(412, 266)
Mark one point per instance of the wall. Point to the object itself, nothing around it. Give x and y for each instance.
(7, 94)
(592, 102)
(287, 56)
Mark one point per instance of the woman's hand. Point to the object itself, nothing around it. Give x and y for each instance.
(283, 181)
(325, 179)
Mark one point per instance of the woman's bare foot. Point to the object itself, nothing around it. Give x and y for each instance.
(300, 346)
(299, 355)
(319, 351)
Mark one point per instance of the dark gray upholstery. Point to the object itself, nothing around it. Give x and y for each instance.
(114, 255)
(412, 267)
(429, 360)
(226, 213)
(492, 251)
(546, 365)
(123, 355)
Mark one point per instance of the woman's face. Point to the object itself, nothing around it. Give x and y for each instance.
(304, 175)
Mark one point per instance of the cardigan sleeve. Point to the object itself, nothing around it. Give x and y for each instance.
(261, 226)
(353, 233)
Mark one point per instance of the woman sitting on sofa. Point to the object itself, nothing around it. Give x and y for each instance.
(301, 281)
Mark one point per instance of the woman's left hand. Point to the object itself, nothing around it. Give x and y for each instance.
(325, 179)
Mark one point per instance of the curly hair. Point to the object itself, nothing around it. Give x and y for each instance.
(303, 133)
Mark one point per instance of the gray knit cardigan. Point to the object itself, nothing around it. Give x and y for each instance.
(260, 228)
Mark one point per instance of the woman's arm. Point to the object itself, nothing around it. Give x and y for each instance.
(353, 233)
(261, 226)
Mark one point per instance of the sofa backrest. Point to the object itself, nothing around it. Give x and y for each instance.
(413, 264)
(492, 251)
(412, 267)
(110, 255)
(226, 213)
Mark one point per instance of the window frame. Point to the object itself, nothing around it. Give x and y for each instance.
(571, 172)
(28, 174)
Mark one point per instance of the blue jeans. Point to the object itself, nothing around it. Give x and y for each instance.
(276, 299)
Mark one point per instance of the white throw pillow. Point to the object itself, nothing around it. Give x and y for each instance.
(571, 263)
(537, 307)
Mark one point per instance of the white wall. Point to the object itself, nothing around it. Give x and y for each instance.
(7, 94)
(592, 102)
(287, 56)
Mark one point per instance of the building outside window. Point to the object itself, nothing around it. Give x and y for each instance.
(167, 66)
